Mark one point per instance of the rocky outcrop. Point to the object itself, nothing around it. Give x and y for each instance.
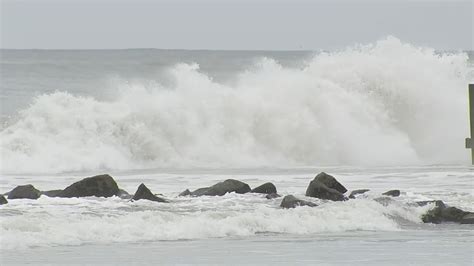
(24, 192)
(291, 201)
(330, 182)
(144, 193)
(467, 219)
(99, 186)
(441, 214)
(52, 193)
(3, 200)
(272, 196)
(200, 192)
(392, 193)
(220, 189)
(267, 188)
(320, 191)
(325, 186)
(357, 192)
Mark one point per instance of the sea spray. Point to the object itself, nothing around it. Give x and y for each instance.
(387, 103)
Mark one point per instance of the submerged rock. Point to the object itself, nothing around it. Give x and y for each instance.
(3, 200)
(52, 193)
(272, 196)
(385, 201)
(144, 193)
(291, 201)
(325, 186)
(221, 188)
(24, 192)
(357, 192)
(392, 193)
(267, 188)
(99, 186)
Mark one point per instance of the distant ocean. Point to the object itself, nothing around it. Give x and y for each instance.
(386, 115)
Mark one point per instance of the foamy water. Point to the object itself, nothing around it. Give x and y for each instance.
(388, 103)
(50, 222)
(387, 115)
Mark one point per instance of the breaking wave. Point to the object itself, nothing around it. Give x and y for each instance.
(387, 103)
(57, 222)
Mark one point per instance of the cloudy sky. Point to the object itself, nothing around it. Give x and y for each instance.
(231, 24)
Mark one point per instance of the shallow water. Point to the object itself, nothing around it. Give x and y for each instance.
(440, 246)
(247, 228)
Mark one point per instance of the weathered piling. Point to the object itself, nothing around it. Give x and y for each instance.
(470, 141)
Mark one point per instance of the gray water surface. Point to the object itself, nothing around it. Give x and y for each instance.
(441, 245)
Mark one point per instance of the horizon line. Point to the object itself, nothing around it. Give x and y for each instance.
(198, 49)
(168, 49)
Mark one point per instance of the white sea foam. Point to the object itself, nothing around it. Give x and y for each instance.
(389, 103)
(76, 221)
(51, 222)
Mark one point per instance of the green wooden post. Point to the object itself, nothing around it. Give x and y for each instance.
(470, 141)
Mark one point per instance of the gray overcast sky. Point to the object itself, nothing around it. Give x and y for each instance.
(230, 24)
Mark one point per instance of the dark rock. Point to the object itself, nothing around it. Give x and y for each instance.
(124, 194)
(200, 191)
(24, 192)
(272, 196)
(220, 189)
(267, 188)
(52, 193)
(3, 200)
(228, 186)
(432, 216)
(357, 192)
(446, 214)
(144, 193)
(325, 186)
(99, 186)
(392, 193)
(330, 182)
(185, 193)
(291, 201)
(468, 219)
(453, 214)
(319, 190)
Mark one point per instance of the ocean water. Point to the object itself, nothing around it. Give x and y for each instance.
(386, 115)
(242, 229)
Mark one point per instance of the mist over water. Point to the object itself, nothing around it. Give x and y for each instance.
(387, 103)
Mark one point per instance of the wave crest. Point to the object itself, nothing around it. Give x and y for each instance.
(387, 103)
